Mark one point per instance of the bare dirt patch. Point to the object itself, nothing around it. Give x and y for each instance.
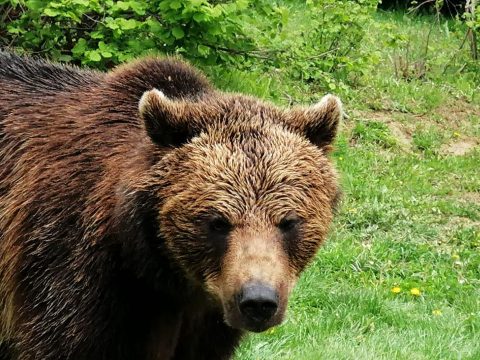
(456, 222)
(473, 197)
(457, 111)
(401, 134)
(459, 147)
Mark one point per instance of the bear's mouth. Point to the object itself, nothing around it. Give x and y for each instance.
(256, 307)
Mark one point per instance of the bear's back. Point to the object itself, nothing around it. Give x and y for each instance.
(35, 75)
(36, 94)
(23, 79)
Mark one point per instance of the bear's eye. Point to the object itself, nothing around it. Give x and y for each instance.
(289, 223)
(219, 225)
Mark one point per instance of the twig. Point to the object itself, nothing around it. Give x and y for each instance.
(461, 69)
(455, 54)
(253, 53)
(420, 5)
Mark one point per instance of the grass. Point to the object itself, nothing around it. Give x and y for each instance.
(399, 277)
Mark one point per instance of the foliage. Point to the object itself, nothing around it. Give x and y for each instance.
(322, 49)
(103, 33)
(321, 46)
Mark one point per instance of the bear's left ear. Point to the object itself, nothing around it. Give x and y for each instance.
(166, 121)
(319, 122)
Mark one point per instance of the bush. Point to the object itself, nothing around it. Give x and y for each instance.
(325, 50)
(103, 33)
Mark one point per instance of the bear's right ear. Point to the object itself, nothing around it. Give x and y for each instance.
(318, 123)
(164, 119)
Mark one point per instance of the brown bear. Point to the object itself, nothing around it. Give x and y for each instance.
(146, 215)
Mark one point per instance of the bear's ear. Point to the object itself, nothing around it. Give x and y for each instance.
(319, 122)
(164, 119)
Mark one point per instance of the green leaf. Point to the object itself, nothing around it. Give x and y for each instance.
(35, 4)
(15, 30)
(178, 32)
(65, 58)
(175, 5)
(203, 50)
(73, 16)
(51, 12)
(123, 5)
(200, 17)
(81, 2)
(332, 86)
(154, 25)
(111, 23)
(128, 24)
(216, 11)
(97, 35)
(79, 47)
(214, 30)
(138, 7)
(94, 56)
(102, 46)
(197, 3)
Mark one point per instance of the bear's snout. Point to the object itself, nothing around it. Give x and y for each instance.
(258, 303)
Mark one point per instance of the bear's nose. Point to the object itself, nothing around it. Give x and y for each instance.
(258, 302)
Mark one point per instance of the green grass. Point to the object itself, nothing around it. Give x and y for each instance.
(410, 216)
(417, 64)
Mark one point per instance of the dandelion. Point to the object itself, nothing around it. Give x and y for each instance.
(415, 291)
(340, 158)
(436, 312)
(456, 134)
(396, 290)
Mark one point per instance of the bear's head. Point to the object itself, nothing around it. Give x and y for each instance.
(246, 195)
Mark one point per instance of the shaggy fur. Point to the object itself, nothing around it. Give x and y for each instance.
(135, 204)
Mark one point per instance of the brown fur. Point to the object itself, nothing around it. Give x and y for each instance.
(108, 189)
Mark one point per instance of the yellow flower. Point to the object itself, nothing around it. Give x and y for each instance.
(271, 331)
(396, 290)
(415, 291)
(340, 158)
(437, 312)
(456, 134)
(456, 257)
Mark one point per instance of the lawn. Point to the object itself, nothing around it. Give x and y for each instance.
(399, 277)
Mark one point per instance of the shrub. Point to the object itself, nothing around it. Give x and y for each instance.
(103, 33)
(317, 42)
